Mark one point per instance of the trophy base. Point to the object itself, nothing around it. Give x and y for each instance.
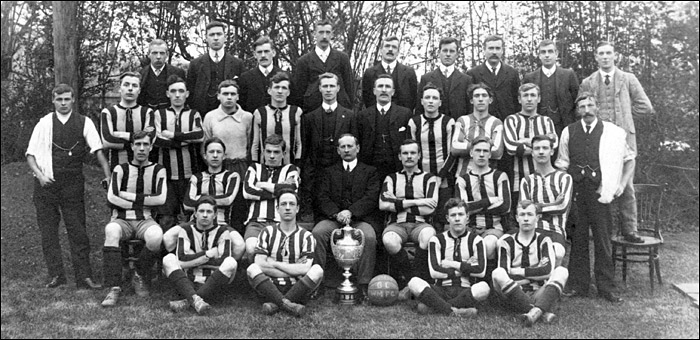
(347, 295)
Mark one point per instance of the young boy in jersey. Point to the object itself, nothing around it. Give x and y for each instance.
(527, 277)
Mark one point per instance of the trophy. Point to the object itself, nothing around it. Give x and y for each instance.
(347, 244)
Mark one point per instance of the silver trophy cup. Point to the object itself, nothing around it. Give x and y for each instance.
(347, 244)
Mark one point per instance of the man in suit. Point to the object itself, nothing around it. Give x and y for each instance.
(558, 85)
(154, 79)
(382, 128)
(454, 84)
(620, 96)
(501, 78)
(209, 70)
(255, 82)
(404, 77)
(321, 60)
(348, 195)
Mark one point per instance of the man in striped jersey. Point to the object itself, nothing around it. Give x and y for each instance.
(283, 271)
(433, 132)
(203, 263)
(278, 118)
(551, 189)
(456, 255)
(136, 188)
(119, 122)
(520, 128)
(220, 184)
(479, 123)
(487, 191)
(260, 185)
(410, 195)
(527, 277)
(178, 135)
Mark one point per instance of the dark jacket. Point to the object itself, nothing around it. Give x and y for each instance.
(144, 99)
(309, 67)
(566, 84)
(253, 93)
(456, 101)
(364, 197)
(367, 131)
(312, 129)
(199, 75)
(505, 87)
(405, 84)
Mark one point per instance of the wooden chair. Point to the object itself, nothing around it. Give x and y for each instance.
(649, 198)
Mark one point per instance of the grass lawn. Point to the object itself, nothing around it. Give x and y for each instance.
(30, 311)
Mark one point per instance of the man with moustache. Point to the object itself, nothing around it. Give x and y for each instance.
(154, 78)
(405, 80)
(255, 82)
(453, 83)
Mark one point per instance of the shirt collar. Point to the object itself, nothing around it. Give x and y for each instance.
(265, 70)
(157, 70)
(321, 52)
(447, 69)
(532, 116)
(418, 171)
(352, 164)
(221, 53)
(595, 122)
(611, 73)
(332, 107)
(392, 64)
(498, 67)
(63, 118)
(385, 107)
(235, 116)
(449, 233)
(549, 71)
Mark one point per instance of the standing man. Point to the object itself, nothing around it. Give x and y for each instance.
(284, 271)
(209, 70)
(479, 123)
(520, 128)
(558, 87)
(620, 97)
(382, 128)
(596, 155)
(347, 195)
(234, 126)
(410, 196)
(154, 78)
(454, 84)
(501, 78)
(456, 256)
(255, 82)
(404, 77)
(135, 190)
(433, 132)
(321, 60)
(179, 135)
(278, 118)
(55, 154)
(119, 122)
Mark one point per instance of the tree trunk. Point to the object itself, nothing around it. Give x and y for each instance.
(65, 42)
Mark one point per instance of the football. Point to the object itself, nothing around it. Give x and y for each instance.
(383, 290)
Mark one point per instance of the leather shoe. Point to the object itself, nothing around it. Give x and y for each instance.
(87, 283)
(610, 296)
(633, 238)
(56, 281)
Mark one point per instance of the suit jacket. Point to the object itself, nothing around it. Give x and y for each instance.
(199, 76)
(364, 196)
(144, 98)
(312, 130)
(505, 87)
(405, 83)
(309, 67)
(566, 92)
(254, 84)
(630, 100)
(459, 101)
(367, 131)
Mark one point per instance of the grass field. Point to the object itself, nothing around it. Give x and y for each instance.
(30, 311)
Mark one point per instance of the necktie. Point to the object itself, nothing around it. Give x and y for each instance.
(347, 169)
(431, 139)
(216, 56)
(446, 71)
(588, 129)
(493, 71)
(278, 121)
(265, 73)
(205, 240)
(212, 185)
(457, 255)
(328, 110)
(388, 69)
(382, 112)
(129, 120)
(607, 79)
(157, 72)
(526, 253)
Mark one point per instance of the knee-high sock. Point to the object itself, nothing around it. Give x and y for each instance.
(420, 265)
(463, 300)
(145, 263)
(431, 298)
(213, 283)
(516, 297)
(112, 266)
(182, 284)
(263, 285)
(400, 264)
(547, 298)
(301, 290)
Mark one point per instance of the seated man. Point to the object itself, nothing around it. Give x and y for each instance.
(348, 196)
(283, 271)
(261, 182)
(411, 196)
(222, 185)
(487, 192)
(455, 255)
(134, 190)
(526, 275)
(204, 252)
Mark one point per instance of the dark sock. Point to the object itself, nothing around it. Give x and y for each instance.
(144, 265)
(112, 266)
(463, 300)
(547, 299)
(301, 290)
(519, 300)
(431, 298)
(263, 285)
(400, 265)
(212, 285)
(182, 284)
(420, 264)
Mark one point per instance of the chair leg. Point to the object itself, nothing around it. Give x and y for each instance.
(658, 265)
(624, 264)
(651, 269)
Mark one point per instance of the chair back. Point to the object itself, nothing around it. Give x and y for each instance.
(649, 198)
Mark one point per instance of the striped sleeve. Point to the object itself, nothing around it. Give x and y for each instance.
(497, 140)
(501, 203)
(477, 250)
(431, 192)
(111, 139)
(231, 184)
(161, 189)
(115, 195)
(437, 271)
(542, 270)
(308, 246)
(250, 189)
(505, 252)
(389, 204)
(562, 202)
(460, 144)
(192, 194)
(263, 245)
(256, 146)
(195, 133)
(297, 135)
(184, 251)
